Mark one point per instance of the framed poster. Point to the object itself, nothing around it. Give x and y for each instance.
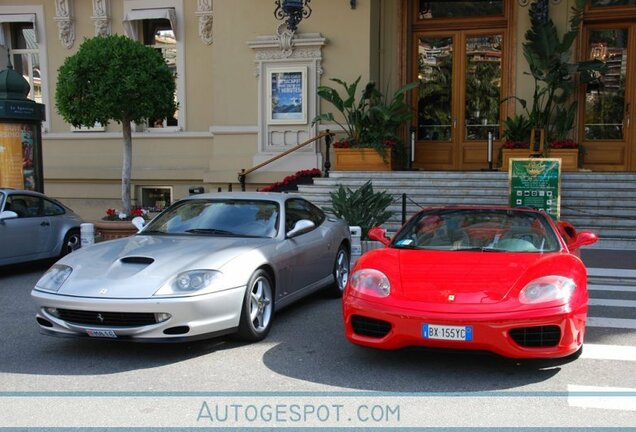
(287, 95)
(536, 183)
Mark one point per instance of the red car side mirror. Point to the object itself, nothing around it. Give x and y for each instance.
(379, 234)
(583, 238)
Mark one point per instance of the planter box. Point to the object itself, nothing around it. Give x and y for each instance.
(110, 230)
(362, 159)
(569, 157)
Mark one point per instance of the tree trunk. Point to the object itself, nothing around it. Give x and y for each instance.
(126, 169)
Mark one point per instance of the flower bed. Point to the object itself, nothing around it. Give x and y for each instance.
(291, 182)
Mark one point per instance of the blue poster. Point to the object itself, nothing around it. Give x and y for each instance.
(287, 96)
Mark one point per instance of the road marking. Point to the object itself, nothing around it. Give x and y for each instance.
(616, 303)
(623, 288)
(606, 322)
(613, 402)
(608, 272)
(609, 352)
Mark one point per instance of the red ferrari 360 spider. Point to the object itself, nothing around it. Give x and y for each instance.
(505, 280)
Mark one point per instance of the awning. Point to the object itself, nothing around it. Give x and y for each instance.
(145, 14)
(18, 18)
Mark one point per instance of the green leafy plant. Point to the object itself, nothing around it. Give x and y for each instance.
(362, 207)
(371, 120)
(517, 130)
(114, 78)
(547, 56)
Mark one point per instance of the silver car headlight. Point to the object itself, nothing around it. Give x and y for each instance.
(371, 282)
(54, 277)
(547, 288)
(191, 282)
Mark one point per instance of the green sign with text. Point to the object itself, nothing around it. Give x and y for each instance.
(536, 183)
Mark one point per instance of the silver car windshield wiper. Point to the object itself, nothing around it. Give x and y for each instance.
(211, 231)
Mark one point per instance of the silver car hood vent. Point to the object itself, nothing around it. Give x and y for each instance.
(137, 260)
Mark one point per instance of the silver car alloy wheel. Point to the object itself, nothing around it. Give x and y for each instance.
(260, 304)
(342, 269)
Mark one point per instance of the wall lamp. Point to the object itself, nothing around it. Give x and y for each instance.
(293, 11)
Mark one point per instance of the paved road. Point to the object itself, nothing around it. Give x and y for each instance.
(306, 374)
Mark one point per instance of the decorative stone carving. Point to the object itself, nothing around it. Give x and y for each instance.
(101, 18)
(206, 19)
(285, 39)
(287, 49)
(64, 19)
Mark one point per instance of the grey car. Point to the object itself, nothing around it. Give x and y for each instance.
(208, 265)
(34, 226)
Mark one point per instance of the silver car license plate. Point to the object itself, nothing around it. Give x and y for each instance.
(101, 333)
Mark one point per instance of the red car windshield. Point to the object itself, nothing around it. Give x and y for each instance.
(478, 229)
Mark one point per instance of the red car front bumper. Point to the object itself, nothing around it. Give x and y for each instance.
(387, 326)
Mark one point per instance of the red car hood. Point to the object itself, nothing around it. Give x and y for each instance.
(466, 277)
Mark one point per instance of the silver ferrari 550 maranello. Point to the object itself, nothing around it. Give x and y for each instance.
(208, 265)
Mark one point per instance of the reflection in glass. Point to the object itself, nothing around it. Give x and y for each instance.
(613, 2)
(605, 101)
(456, 9)
(483, 86)
(435, 63)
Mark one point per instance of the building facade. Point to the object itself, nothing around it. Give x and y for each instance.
(246, 85)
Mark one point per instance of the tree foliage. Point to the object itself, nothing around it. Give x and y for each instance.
(114, 78)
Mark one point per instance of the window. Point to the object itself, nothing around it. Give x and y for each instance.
(19, 38)
(297, 209)
(156, 198)
(158, 34)
(155, 23)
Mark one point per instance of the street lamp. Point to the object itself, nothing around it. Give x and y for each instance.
(293, 10)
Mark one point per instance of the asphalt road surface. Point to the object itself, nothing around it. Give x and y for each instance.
(305, 374)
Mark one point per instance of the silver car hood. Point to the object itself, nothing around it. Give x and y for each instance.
(136, 267)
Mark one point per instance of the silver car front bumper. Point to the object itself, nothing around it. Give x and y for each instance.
(192, 317)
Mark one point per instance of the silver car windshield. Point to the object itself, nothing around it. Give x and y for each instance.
(232, 218)
(478, 230)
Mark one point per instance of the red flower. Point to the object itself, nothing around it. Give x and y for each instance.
(564, 144)
(342, 144)
(516, 145)
(111, 212)
(390, 142)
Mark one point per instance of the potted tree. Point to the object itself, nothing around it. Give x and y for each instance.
(370, 125)
(114, 78)
(547, 55)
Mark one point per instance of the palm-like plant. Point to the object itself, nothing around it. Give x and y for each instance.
(547, 56)
(372, 120)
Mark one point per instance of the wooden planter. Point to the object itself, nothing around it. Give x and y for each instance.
(110, 230)
(569, 157)
(362, 159)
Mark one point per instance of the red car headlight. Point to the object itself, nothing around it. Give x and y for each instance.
(546, 289)
(370, 282)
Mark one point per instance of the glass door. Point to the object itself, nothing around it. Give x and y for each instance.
(607, 106)
(460, 76)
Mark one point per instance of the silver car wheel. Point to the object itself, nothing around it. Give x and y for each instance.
(260, 304)
(342, 269)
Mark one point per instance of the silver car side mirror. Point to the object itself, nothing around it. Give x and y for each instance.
(301, 227)
(8, 214)
(138, 222)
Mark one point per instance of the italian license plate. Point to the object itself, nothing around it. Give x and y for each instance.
(101, 333)
(453, 333)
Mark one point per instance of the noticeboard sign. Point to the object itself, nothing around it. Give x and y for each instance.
(536, 183)
(20, 163)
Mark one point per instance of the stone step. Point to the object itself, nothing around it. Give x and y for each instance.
(601, 202)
